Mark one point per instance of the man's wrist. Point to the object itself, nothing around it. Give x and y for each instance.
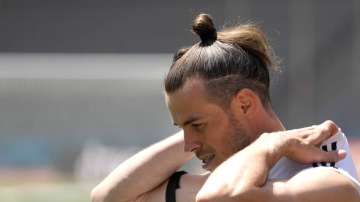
(274, 146)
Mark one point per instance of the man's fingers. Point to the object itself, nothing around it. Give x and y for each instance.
(333, 156)
(341, 154)
(330, 127)
(324, 132)
(316, 134)
(305, 130)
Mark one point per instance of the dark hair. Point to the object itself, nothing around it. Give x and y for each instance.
(228, 61)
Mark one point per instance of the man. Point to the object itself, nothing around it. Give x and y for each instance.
(217, 91)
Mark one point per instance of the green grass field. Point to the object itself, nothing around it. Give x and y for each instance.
(59, 192)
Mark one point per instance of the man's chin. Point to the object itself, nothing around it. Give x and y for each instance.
(211, 166)
(209, 169)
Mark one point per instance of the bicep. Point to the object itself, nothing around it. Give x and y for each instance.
(314, 185)
(189, 186)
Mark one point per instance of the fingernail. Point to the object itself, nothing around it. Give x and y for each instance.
(342, 153)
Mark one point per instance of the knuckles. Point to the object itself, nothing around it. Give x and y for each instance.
(329, 127)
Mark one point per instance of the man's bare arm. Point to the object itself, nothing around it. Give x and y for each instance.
(189, 187)
(246, 171)
(146, 171)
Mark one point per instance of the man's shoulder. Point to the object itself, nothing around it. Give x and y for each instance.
(325, 180)
(338, 142)
(287, 168)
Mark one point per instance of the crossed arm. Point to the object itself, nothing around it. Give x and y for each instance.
(255, 162)
(144, 176)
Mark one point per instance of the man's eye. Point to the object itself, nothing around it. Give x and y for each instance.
(197, 125)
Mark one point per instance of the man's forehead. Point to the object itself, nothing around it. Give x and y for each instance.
(188, 103)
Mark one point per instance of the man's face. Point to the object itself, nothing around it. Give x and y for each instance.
(213, 134)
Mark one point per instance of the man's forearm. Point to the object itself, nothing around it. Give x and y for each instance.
(247, 170)
(143, 172)
(240, 174)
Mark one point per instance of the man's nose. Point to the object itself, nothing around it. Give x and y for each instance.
(191, 142)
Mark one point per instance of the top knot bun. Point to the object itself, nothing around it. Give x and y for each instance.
(204, 27)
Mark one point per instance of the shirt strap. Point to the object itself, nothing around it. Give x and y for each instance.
(172, 185)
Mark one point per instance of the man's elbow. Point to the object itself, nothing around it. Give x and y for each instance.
(100, 194)
(97, 195)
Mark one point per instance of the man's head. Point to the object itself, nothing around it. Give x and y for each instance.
(218, 89)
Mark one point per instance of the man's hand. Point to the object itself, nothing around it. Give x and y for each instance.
(301, 145)
(242, 177)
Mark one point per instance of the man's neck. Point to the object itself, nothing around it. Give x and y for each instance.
(268, 122)
(275, 123)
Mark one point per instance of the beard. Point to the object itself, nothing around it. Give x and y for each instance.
(238, 137)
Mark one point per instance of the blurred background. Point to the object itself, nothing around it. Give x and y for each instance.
(81, 81)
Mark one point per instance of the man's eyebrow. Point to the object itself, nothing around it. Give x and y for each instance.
(189, 121)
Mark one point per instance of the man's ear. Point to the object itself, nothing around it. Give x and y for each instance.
(245, 102)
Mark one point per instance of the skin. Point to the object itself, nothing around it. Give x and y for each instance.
(209, 129)
(251, 184)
